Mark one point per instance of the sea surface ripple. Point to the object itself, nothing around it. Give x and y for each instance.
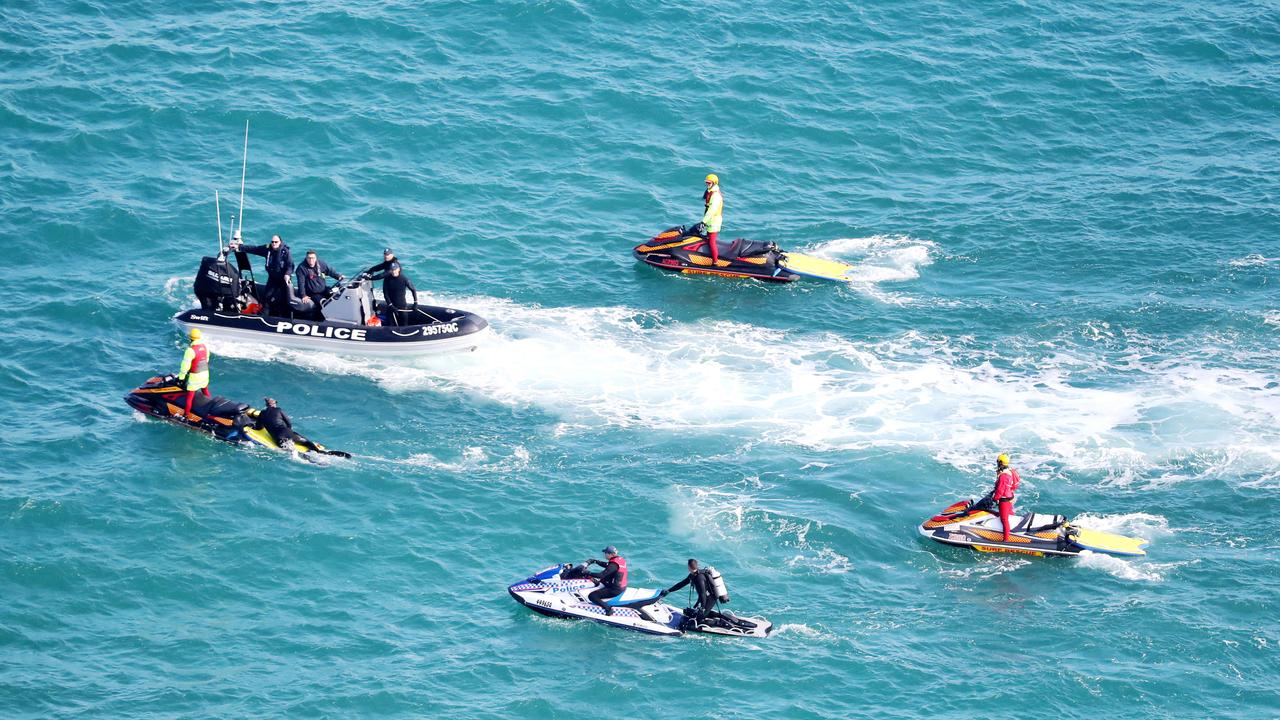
(1065, 220)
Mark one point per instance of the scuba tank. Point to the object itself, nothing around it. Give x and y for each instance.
(717, 583)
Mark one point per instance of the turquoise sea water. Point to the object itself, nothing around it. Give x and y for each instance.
(1065, 218)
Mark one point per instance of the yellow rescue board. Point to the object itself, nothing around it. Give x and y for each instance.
(1108, 543)
(817, 267)
(264, 437)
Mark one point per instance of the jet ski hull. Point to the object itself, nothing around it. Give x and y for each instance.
(678, 250)
(227, 420)
(456, 331)
(968, 525)
(557, 592)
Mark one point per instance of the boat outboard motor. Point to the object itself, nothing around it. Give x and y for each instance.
(717, 583)
(217, 284)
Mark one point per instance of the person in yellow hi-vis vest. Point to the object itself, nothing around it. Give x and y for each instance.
(194, 373)
(713, 210)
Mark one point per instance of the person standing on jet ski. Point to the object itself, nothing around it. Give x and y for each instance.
(712, 212)
(311, 282)
(613, 579)
(279, 269)
(1006, 485)
(700, 579)
(194, 373)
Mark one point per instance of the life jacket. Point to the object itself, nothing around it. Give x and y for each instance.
(1007, 481)
(200, 359)
(621, 577)
(713, 222)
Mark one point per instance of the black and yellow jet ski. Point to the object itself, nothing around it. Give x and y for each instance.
(228, 420)
(687, 251)
(974, 525)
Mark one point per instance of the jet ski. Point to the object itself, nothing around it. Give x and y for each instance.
(561, 591)
(228, 420)
(353, 321)
(685, 250)
(974, 525)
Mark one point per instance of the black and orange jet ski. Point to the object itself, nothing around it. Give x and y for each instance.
(228, 420)
(685, 250)
(973, 525)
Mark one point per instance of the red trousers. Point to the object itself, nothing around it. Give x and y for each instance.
(711, 240)
(1006, 509)
(191, 395)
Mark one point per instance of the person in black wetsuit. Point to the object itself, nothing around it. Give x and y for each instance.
(379, 271)
(395, 287)
(277, 424)
(613, 579)
(705, 605)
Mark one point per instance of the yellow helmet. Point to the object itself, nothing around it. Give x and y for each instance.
(713, 179)
(195, 334)
(1002, 460)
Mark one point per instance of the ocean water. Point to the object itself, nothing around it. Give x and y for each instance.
(1064, 217)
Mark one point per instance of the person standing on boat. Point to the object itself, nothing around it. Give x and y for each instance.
(279, 270)
(194, 373)
(311, 284)
(395, 287)
(1007, 481)
(712, 214)
(382, 269)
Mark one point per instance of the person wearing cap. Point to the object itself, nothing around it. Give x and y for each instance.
(612, 580)
(279, 270)
(277, 424)
(382, 269)
(194, 373)
(395, 288)
(1007, 481)
(311, 284)
(712, 214)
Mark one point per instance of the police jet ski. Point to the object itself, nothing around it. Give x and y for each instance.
(686, 250)
(227, 420)
(354, 321)
(561, 591)
(973, 525)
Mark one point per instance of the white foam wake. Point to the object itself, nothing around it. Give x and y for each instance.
(879, 259)
(1169, 420)
(736, 516)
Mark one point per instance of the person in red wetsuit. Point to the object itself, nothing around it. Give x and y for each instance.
(712, 215)
(1006, 485)
(193, 376)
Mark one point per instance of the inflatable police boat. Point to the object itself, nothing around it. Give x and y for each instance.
(972, 525)
(561, 591)
(351, 318)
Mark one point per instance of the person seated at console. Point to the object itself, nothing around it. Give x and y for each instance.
(311, 283)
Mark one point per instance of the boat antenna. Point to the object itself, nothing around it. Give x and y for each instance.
(217, 208)
(244, 165)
